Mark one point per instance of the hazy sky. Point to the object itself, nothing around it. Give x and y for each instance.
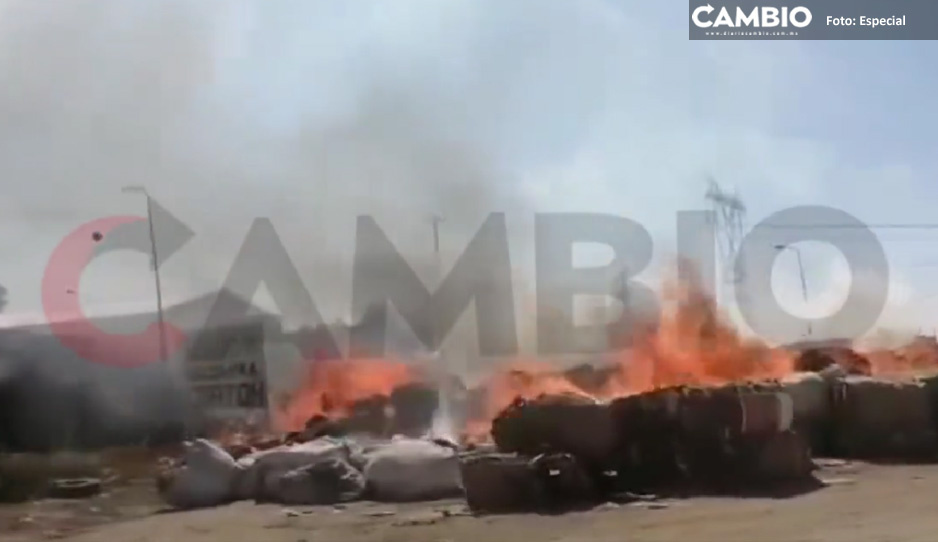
(310, 112)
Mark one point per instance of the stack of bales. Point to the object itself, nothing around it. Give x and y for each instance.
(845, 412)
(552, 452)
(883, 419)
(684, 437)
(709, 439)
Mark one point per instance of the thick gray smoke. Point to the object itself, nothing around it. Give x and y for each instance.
(99, 94)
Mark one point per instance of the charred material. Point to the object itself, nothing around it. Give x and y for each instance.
(691, 436)
(819, 359)
(647, 437)
(371, 416)
(886, 420)
(589, 378)
(414, 405)
(505, 483)
(557, 423)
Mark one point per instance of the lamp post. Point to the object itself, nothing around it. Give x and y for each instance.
(156, 265)
(435, 221)
(804, 283)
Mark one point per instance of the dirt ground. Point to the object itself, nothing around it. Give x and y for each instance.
(860, 503)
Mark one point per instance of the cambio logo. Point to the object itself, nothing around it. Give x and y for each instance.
(481, 277)
(758, 17)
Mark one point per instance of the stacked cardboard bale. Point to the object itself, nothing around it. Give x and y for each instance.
(813, 408)
(710, 438)
(504, 483)
(930, 382)
(845, 412)
(552, 453)
(648, 431)
(719, 438)
(725, 436)
(883, 419)
(572, 424)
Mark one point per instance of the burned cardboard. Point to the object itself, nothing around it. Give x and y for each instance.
(557, 423)
(371, 416)
(819, 359)
(498, 483)
(883, 419)
(590, 378)
(413, 406)
(647, 433)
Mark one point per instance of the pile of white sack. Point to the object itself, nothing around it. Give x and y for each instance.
(322, 471)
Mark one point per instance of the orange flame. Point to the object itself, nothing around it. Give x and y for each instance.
(332, 386)
(689, 345)
(921, 355)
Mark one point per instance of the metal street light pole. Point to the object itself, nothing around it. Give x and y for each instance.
(804, 283)
(156, 266)
(435, 220)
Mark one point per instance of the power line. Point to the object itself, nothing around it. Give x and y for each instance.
(923, 226)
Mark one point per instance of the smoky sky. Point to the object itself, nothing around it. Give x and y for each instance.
(179, 97)
(312, 112)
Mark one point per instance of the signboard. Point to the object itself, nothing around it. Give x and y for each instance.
(234, 384)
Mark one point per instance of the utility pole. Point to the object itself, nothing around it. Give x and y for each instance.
(804, 283)
(435, 221)
(156, 266)
(443, 423)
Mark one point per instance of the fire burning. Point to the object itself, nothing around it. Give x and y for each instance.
(333, 387)
(688, 345)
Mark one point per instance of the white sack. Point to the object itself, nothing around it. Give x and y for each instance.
(208, 477)
(263, 469)
(412, 470)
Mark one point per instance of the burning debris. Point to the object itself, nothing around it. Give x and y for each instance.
(691, 407)
(560, 450)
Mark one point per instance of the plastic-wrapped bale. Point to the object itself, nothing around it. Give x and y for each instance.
(328, 481)
(883, 419)
(558, 423)
(208, 476)
(262, 471)
(813, 409)
(412, 470)
(506, 483)
(414, 405)
(647, 429)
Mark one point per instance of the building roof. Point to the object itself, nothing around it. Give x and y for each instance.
(190, 314)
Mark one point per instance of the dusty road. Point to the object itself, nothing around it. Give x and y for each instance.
(862, 503)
